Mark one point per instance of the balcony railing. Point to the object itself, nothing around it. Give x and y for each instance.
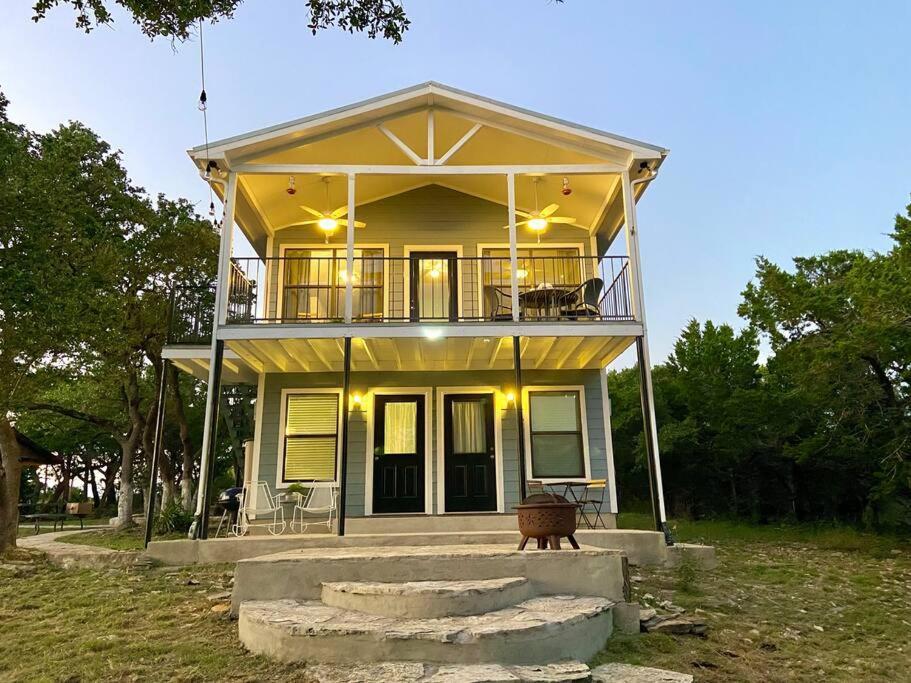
(425, 288)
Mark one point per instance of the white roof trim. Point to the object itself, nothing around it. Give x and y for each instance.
(429, 89)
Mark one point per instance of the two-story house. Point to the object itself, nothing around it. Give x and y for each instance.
(440, 281)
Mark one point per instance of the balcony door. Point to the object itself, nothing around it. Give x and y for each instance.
(469, 453)
(398, 453)
(434, 286)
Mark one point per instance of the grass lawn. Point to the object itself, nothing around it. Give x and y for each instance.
(130, 539)
(787, 603)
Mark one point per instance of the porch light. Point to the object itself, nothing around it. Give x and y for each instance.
(327, 224)
(537, 224)
(510, 397)
(521, 274)
(356, 401)
(433, 333)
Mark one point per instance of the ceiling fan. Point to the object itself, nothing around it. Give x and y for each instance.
(329, 220)
(538, 220)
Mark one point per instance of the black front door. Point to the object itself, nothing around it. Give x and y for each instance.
(398, 454)
(434, 287)
(469, 453)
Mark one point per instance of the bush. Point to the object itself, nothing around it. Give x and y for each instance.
(173, 518)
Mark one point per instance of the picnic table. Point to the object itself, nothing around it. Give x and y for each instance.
(56, 514)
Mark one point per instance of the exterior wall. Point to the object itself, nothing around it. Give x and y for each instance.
(363, 382)
(426, 216)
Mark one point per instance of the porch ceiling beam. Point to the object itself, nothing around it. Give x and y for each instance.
(431, 134)
(613, 350)
(573, 347)
(318, 354)
(370, 355)
(294, 355)
(459, 144)
(545, 352)
(397, 141)
(496, 352)
(596, 347)
(400, 169)
(276, 358)
(472, 345)
(242, 349)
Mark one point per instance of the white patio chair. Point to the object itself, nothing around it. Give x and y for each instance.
(318, 500)
(263, 502)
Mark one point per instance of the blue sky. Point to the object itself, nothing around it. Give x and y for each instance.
(789, 124)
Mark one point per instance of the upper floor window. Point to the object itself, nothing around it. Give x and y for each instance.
(314, 284)
(537, 267)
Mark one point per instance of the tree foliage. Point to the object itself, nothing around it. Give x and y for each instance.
(177, 19)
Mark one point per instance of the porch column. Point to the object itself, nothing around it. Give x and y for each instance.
(609, 442)
(520, 418)
(513, 252)
(349, 242)
(219, 317)
(343, 475)
(645, 367)
(156, 450)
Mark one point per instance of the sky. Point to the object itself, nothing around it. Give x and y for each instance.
(789, 124)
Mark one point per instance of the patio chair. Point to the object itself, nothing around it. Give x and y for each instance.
(592, 501)
(533, 486)
(582, 302)
(263, 502)
(318, 500)
(497, 303)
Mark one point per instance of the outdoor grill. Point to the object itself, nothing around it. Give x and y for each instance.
(229, 502)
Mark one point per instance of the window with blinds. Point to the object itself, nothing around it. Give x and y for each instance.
(555, 424)
(311, 436)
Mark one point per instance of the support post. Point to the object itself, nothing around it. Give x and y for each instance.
(207, 469)
(343, 475)
(645, 368)
(520, 418)
(222, 286)
(349, 242)
(156, 451)
(513, 250)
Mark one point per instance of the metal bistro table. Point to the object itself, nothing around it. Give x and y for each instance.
(573, 491)
(544, 299)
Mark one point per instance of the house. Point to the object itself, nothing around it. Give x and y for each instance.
(438, 282)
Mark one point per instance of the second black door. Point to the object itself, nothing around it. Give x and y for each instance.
(398, 454)
(434, 286)
(469, 453)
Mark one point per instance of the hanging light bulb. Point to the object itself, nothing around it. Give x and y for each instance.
(567, 190)
(212, 209)
(291, 189)
(203, 100)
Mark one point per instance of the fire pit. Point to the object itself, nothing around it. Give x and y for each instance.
(547, 518)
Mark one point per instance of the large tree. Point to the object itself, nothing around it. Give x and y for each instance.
(177, 19)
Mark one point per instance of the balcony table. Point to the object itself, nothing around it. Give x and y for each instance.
(544, 298)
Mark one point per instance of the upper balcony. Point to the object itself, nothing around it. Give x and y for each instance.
(424, 287)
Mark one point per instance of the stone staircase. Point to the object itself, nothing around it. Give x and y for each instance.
(445, 613)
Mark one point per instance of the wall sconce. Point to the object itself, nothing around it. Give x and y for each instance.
(510, 398)
(357, 402)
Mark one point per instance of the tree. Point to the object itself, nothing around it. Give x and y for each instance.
(177, 19)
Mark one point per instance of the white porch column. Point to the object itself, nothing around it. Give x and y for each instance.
(645, 364)
(349, 242)
(513, 251)
(609, 442)
(219, 316)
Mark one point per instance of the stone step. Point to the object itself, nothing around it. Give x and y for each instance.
(419, 672)
(537, 631)
(300, 574)
(427, 599)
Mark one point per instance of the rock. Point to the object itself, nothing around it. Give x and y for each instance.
(676, 625)
(646, 614)
(220, 608)
(628, 673)
(191, 582)
(224, 595)
(626, 617)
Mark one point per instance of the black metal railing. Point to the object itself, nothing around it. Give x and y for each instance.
(434, 288)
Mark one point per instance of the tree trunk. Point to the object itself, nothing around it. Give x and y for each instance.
(186, 444)
(9, 487)
(128, 447)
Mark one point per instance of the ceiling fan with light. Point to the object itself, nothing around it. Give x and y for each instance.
(539, 220)
(330, 220)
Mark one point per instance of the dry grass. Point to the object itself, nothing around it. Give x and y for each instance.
(823, 604)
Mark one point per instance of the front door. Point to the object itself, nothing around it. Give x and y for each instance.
(434, 287)
(469, 453)
(398, 454)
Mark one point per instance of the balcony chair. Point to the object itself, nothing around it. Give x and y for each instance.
(263, 502)
(592, 500)
(582, 302)
(495, 303)
(318, 500)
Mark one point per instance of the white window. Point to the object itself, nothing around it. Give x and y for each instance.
(311, 436)
(556, 434)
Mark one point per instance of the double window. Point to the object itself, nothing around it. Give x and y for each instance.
(314, 282)
(556, 434)
(311, 436)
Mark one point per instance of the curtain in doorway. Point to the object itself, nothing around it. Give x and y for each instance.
(469, 431)
(400, 428)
